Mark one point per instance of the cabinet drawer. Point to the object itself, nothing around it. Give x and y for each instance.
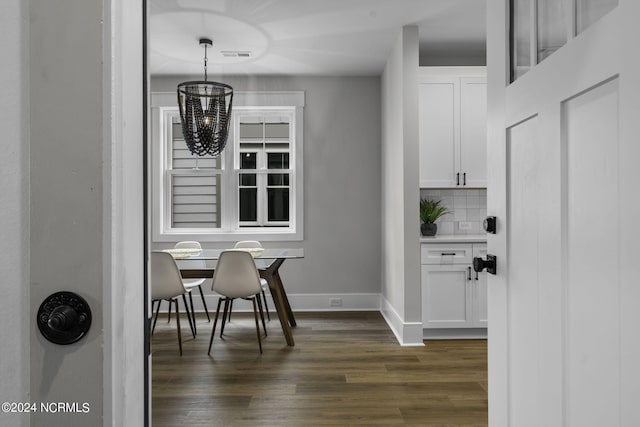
(446, 253)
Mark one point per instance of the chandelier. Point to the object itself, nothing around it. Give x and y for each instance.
(205, 112)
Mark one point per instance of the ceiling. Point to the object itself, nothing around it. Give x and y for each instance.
(309, 37)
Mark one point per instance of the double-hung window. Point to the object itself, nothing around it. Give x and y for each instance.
(253, 190)
(264, 167)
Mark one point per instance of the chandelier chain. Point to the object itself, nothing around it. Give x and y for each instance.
(205, 62)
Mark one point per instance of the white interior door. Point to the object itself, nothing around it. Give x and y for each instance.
(563, 174)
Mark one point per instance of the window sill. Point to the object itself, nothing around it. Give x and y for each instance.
(228, 236)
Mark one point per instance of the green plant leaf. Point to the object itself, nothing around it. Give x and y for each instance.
(430, 210)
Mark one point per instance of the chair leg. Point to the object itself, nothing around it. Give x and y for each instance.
(266, 307)
(186, 309)
(155, 319)
(229, 314)
(257, 297)
(193, 314)
(215, 322)
(169, 313)
(255, 315)
(178, 325)
(227, 303)
(204, 303)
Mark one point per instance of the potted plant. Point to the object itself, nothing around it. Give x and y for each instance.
(430, 211)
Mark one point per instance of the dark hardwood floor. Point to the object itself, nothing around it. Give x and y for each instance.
(346, 369)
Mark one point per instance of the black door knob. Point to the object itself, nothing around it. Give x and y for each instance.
(480, 264)
(64, 318)
(489, 224)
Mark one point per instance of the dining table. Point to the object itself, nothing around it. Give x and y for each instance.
(268, 262)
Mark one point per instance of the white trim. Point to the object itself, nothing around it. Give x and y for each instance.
(455, 334)
(122, 238)
(408, 334)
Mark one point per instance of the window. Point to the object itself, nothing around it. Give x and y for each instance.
(252, 190)
(264, 146)
(540, 27)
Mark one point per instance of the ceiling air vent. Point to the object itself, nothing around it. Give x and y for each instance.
(236, 53)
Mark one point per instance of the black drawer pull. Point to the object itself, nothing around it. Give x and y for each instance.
(469, 270)
(448, 253)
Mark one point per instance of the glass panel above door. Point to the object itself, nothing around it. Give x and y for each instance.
(589, 11)
(540, 27)
(551, 27)
(520, 38)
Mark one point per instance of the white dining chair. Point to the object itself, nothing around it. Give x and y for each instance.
(236, 276)
(255, 244)
(166, 284)
(192, 284)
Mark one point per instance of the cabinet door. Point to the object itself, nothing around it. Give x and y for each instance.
(446, 296)
(438, 131)
(473, 131)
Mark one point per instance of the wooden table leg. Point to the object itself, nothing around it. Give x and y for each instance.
(287, 305)
(280, 300)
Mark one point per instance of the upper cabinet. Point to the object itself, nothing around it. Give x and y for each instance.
(453, 136)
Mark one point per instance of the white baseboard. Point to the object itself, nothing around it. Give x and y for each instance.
(455, 334)
(300, 302)
(407, 333)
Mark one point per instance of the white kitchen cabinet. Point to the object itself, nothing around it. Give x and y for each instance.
(454, 296)
(452, 127)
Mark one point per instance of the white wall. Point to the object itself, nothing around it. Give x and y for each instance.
(14, 214)
(87, 204)
(400, 190)
(341, 185)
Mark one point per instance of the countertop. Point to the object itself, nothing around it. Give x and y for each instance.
(455, 238)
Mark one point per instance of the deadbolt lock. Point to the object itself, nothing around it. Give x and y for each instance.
(480, 264)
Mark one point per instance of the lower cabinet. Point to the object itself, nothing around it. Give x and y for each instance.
(454, 296)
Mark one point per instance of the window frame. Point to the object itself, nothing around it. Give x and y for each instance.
(164, 107)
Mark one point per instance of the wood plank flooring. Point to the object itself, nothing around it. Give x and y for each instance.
(346, 369)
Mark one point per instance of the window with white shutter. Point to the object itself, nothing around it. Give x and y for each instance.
(253, 190)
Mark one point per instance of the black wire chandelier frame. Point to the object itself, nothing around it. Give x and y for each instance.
(205, 112)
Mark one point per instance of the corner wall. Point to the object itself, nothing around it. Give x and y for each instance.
(15, 324)
(401, 292)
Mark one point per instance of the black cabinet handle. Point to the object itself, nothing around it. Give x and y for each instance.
(448, 253)
(469, 271)
(464, 178)
(476, 275)
(458, 178)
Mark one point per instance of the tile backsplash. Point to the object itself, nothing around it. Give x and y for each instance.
(468, 208)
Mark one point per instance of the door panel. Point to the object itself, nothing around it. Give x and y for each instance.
(524, 167)
(590, 121)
